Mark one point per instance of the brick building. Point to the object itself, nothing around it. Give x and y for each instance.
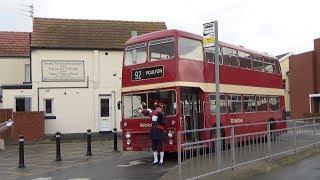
(305, 82)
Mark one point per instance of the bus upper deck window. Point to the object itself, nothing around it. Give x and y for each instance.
(230, 57)
(190, 49)
(135, 54)
(161, 49)
(210, 54)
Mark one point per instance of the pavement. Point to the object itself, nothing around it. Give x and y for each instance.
(104, 164)
(307, 169)
(204, 163)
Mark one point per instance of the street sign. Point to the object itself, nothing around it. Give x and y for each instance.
(210, 39)
(209, 34)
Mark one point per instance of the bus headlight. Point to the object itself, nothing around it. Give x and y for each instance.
(127, 134)
(128, 141)
(170, 134)
(171, 142)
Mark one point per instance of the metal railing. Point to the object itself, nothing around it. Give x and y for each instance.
(241, 145)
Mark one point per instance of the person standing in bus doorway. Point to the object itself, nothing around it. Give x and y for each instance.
(157, 132)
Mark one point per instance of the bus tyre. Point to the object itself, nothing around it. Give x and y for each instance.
(213, 135)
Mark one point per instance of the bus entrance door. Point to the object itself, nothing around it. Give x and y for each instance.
(190, 104)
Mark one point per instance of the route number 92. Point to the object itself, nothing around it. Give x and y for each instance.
(137, 75)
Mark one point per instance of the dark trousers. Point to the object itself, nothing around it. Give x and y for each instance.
(157, 145)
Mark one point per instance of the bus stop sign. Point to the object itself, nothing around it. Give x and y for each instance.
(209, 34)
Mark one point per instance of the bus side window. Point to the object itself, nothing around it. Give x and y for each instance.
(230, 57)
(223, 103)
(270, 65)
(257, 63)
(210, 54)
(274, 103)
(245, 60)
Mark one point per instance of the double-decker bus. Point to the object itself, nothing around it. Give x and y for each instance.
(173, 67)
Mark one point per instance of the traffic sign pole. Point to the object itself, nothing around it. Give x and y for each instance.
(210, 33)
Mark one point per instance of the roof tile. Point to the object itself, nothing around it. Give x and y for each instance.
(87, 34)
(14, 44)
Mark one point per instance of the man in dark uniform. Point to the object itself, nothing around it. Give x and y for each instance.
(157, 132)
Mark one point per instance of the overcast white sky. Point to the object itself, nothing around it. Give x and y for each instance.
(272, 26)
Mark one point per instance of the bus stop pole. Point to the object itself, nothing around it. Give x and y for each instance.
(217, 81)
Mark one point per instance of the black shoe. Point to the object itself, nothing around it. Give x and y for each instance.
(155, 163)
(161, 164)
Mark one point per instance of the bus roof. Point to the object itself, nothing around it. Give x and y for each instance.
(172, 32)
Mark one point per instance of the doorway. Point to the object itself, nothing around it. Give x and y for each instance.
(191, 112)
(105, 113)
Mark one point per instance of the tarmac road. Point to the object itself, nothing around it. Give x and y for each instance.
(104, 164)
(135, 165)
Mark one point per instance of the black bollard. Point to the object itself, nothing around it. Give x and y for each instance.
(115, 139)
(21, 152)
(58, 151)
(89, 143)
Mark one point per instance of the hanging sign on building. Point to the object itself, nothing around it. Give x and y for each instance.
(63, 71)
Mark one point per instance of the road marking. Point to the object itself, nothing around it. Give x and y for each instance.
(132, 163)
(43, 178)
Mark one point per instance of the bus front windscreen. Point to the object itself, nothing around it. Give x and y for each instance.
(135, 54)
(134, 103)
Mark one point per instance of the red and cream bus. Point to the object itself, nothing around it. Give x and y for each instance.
(172, 66)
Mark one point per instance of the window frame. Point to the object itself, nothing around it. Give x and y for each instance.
(222, 47)
(279, 107)
(264, 65)
(149, 91)
(149, 59)
(267, 103)
(255, 100)
(239, 60)
(225, 95)
(22, 97)
(236, 101)
(189, 38)
(45, 106)
(261, 60)
(213, 62)
(136, 45)
(27, 73)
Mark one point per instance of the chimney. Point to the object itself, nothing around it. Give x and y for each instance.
(134, 34)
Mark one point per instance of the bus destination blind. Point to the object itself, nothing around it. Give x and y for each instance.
(147, 73)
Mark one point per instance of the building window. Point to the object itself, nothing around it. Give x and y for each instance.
(23, 104)
(48, 106)
(104, 108)
(27, 73)
(1, 96)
